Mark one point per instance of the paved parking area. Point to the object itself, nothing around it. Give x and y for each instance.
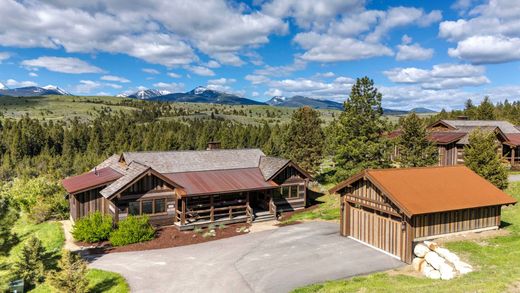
(276, 260)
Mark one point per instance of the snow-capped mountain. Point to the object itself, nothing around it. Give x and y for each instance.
(300, 101)
(33, 91)
(145, 94)
(3, 87)
(202, 94)
(57, 89)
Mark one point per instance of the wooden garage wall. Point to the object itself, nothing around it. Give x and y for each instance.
(84, 203)
(383, 232)
(447, 154)
(455, 221)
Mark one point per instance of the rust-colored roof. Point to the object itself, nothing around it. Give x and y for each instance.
(444, 137)
(220, 181)
(513, 138)
(434, 189)
(90, 180)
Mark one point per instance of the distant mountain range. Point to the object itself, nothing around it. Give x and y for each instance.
(197, 95)
(203, 95)
(32, 91)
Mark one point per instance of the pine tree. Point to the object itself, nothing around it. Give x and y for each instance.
(303, 141)
(8, 216)
(482, 157)
(359, 141)
(30, 267)
(415, 150)
(470, 109)
(486, 110)
(72, 274)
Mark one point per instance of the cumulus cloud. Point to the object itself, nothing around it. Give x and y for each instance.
(491, 33)
(200, 70)
(408, 51)
(33, 74)
(115, 78)
(170, 86)
(4, 56)
(441, 76)
(150, 71)
(15, 83)
(87, 86)
(337, 90)
(62, 64)
(174, 75)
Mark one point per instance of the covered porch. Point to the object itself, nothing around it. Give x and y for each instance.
(511, 153)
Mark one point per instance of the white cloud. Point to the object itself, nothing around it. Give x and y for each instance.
(150, 71)
(222, 81)
(441, 76)
(273, 92)
(257, 79)
(224, 85)
(255, 94)
(15, 83)
(4, 56)
(170, 86)
(491, 34)
(212, 64)
(337, 90)
(33, 74)
(282, 70)
(115, 78)
(174, 75)
(62, 64)
(113, 85)
(87, 86)
(200, 70)
(326, 74)
(103, 94)
(408, 51)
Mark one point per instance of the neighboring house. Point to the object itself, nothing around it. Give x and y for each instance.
(392, 209)
(190, 188)
(451, 136)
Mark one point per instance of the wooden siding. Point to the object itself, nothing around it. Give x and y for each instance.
(363, 192)
(381, 231)
(84, 203)
(448, 154)
(455, 221)
(148, 183)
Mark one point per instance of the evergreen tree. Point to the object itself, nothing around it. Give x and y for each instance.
(304, 138)
(71, 276)
(29, 266)
(415, 150)
(486, 110)
(8, 216)
(470, 109)
(360, 142)
(482, 157)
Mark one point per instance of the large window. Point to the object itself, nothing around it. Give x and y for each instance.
(147, 207)
(291, 191)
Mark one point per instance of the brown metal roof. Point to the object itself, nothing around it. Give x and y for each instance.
(90, 180)
(513, 138)
(434, 189)
(220, 181)
(445, 137)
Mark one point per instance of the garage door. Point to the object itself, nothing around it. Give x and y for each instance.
(383, 232)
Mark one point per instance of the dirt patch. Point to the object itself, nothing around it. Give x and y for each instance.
(168, 237)
(479, 237)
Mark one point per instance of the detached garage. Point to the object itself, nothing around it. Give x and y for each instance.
(391, 209)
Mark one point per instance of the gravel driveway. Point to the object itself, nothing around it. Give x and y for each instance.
(269, 261)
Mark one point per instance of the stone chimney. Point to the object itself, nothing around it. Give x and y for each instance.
(213, 145)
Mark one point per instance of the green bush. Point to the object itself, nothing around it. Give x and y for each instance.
(132, 230)
(93, 228)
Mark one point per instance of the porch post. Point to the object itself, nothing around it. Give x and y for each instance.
(212, 209)
(183, 214)
(513, 155)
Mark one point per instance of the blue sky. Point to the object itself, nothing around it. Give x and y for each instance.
(436, 55)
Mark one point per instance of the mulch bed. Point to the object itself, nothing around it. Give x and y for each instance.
(167, 237)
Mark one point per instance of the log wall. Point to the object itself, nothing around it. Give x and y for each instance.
(456, 221)
(84, 203)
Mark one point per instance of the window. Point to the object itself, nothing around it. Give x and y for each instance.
(160, 205)
(147, 207)
(134, 208)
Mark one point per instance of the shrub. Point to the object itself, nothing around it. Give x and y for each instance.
(93, 228)
(30, 266)
(222, 226)
(198, 230)
(132, 230)
(72, 274)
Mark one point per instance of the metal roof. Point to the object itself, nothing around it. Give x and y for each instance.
(433, 189)
(221, 181)
(513, 138)
(89, 180)
(188, 161)
(444, 137)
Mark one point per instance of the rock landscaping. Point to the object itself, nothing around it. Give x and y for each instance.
(436, 262)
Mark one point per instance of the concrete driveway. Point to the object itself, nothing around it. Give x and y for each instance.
(269, 261)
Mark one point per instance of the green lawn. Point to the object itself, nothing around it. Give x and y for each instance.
(497, 261)
(51, 235)
(327, 209)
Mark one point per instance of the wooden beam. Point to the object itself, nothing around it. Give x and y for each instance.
(374, 208)
(212, 209)
(183, 211)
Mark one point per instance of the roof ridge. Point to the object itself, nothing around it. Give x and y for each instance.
(181, 151)
(212, 170)
(415, 168)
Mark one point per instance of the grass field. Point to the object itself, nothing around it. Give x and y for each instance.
(496, 261)
(52, 237)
